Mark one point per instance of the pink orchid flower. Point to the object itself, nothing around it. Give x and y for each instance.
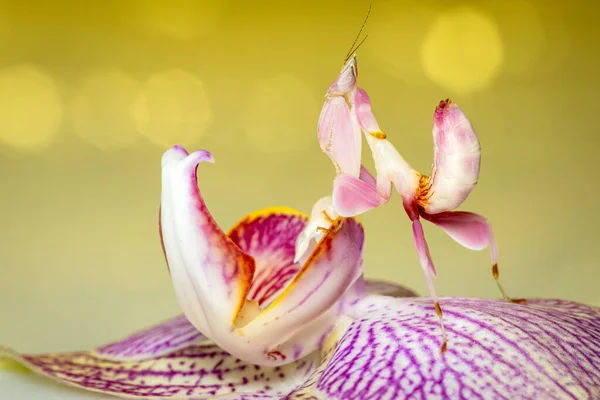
(258, 325)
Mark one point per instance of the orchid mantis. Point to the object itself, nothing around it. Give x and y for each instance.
(339, 134)
(346, 113)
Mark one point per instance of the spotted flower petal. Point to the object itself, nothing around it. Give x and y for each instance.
(199, 372)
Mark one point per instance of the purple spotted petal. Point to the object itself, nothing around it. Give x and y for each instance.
(546, 349)
(164, 338)
(198, 372)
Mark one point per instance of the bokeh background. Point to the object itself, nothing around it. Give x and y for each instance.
(92, 93)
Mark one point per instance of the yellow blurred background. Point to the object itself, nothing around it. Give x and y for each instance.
(92, 93)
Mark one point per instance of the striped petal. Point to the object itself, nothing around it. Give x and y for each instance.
(211, 274)
(547, 349)
(165, 338)
(269, 236)
(331, 270)
(199, 372)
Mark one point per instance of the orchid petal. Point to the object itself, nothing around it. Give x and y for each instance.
(547, 349)
(334, 318)
(354, 196)
(365, 116)
(269, 236)
(202, 371)
(457, 157)
(339, 137)
(333, 267)
(210, 273)
(164, 338)
(308, 389)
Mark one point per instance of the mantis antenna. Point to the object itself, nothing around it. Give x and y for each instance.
(353, 48)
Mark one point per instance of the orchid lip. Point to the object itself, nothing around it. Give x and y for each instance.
(215, 274)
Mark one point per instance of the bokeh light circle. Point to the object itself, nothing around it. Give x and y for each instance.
(172, 108)
(102, 110)
(395, 40)
(31, 107)
(463, 51)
